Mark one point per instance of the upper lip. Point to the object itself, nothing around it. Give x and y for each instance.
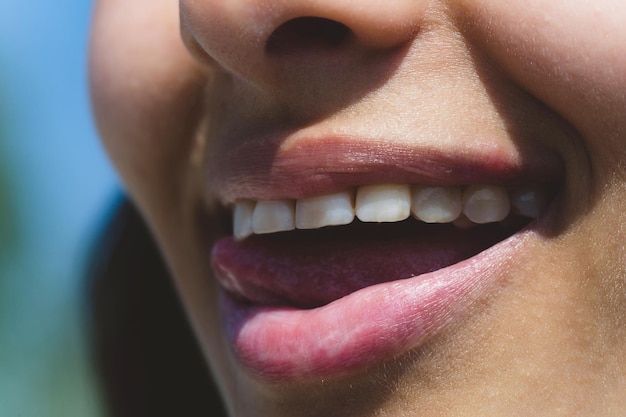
(267, 169)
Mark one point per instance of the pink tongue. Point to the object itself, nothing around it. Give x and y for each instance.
(307, 269)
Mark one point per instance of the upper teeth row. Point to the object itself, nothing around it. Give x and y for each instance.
(388, 203)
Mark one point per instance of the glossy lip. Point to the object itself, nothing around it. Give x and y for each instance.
(284, 344)
(258, 170)
(279, 344)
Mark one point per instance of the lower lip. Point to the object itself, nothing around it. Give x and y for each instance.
(283, 344)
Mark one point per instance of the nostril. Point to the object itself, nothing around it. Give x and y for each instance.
(304, 33)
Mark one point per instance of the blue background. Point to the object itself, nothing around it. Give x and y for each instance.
(55, 187)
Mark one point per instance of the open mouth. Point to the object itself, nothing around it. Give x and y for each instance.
(309, 252)
(345, 254)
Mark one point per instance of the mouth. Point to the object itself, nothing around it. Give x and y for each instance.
(322, 285)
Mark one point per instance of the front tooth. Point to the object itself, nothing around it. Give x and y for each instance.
(529, 202)
(436, 204)
(242, 219)
(328, 210)
(383, 203)
(485, 203)
(273, 216)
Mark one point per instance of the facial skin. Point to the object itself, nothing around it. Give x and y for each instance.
(522, 79)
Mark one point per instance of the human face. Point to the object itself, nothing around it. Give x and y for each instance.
(267, 104)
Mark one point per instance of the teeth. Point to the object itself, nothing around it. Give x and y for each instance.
(529, 202)
(273, 216)
(467, 207)
(436, 204)
(329, 210)
(485, 203)
(242, 219)
(383, 203)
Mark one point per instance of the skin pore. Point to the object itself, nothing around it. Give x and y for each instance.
(533, 82)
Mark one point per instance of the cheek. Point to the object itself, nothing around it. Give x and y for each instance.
(581, 40)
(146, 92)
(572, 57)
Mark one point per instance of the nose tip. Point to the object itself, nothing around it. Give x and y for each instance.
(246, 36)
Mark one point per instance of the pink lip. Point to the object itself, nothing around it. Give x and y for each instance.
(259, 170)
(382, 321)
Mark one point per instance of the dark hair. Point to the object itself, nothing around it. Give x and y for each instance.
(144, 352)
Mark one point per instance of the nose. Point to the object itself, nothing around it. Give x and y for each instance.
(263, 40)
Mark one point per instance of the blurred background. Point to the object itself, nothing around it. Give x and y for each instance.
(55, 186)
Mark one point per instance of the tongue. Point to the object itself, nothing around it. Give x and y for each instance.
(307, 269)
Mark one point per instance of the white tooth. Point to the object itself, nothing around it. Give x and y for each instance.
(529, 202)
(273, 216)
(436, 204)
(485, 203)
(328, 210)
(242, 219)
(383, 203)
